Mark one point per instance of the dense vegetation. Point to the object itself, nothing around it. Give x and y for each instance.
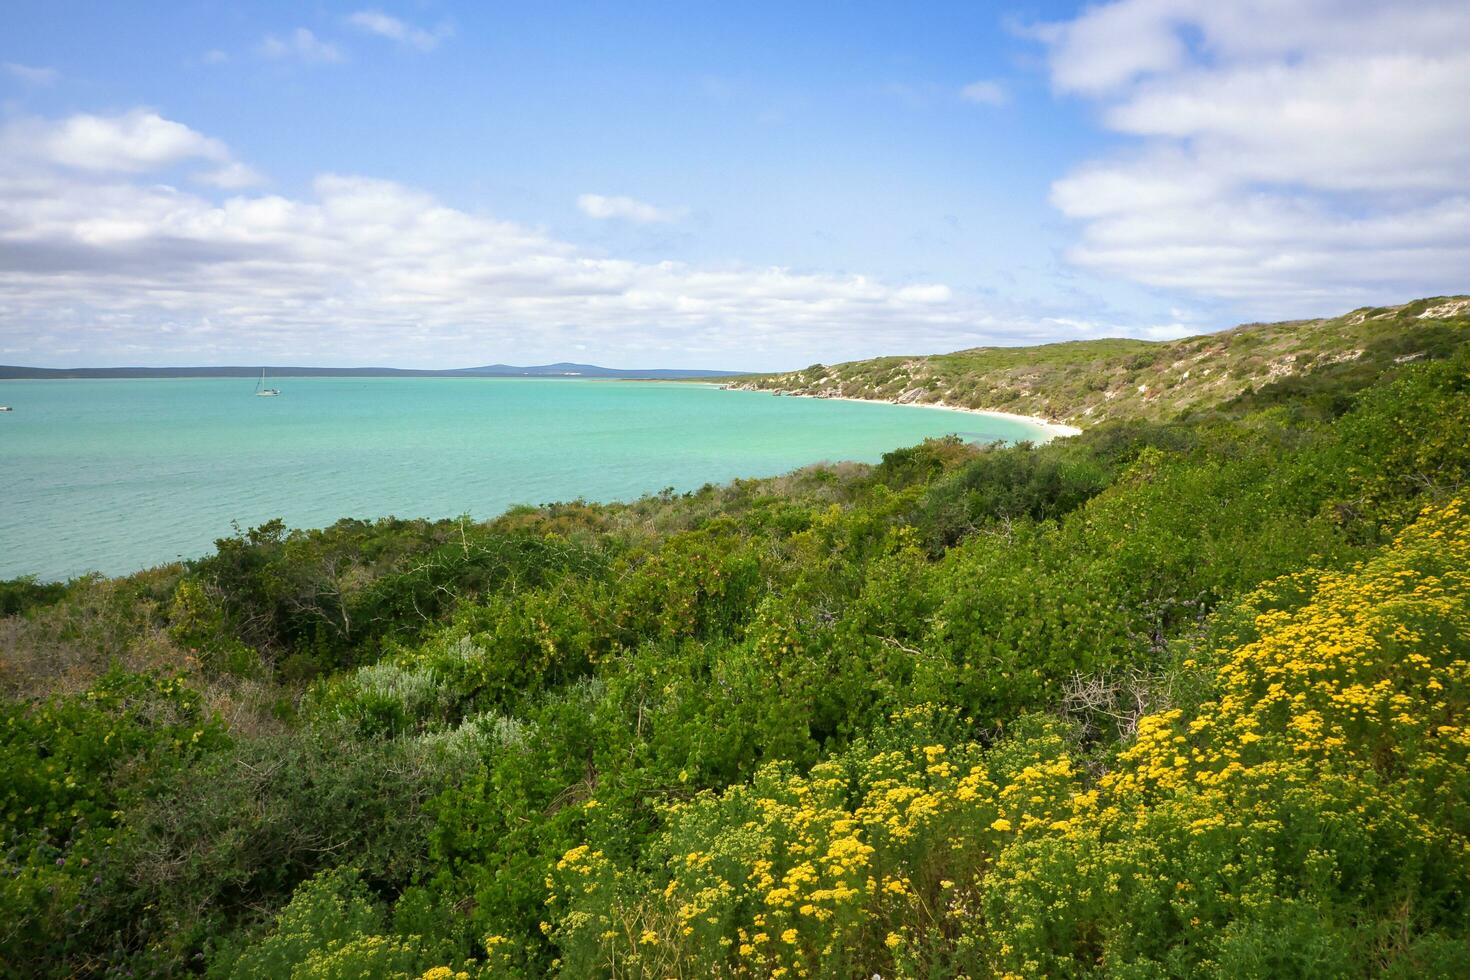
(1173, 697)
(1088, 381)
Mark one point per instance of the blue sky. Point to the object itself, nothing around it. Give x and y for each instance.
(752, 185)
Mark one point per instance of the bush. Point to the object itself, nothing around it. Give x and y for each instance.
(1307, 818)
(239, 830)
(72, 766)
(17, 595)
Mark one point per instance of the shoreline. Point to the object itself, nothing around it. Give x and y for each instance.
(1053, 430)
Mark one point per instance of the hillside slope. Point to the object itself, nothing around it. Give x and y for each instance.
(1088, 381)
(1175, 698)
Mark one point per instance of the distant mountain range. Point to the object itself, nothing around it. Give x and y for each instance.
(562, 370)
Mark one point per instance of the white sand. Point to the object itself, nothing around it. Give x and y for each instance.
(1053, 430)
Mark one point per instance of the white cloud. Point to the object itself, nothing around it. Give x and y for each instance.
(626, 208)
(214, 56)
(1284, 155)
(32, 75)
(301, 44)
(381, 24)
(133, 142)
(1112, 43)
(231, 176)
(1116, 44)
(926, 293)
(112, 262)
(985, 92)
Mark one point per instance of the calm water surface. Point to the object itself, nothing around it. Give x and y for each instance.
(114, 476)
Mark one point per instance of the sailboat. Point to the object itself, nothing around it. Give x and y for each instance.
(261, 391)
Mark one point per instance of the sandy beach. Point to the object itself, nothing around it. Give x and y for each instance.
(1053, 430)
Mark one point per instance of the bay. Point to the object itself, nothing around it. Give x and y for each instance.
(117, 475)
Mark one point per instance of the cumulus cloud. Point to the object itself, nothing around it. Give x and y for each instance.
(301, 44)
(1282, 153)
(133, 142)
(626, 208)
(985, 92)
(381, 24)
(32, 75)
(116, 263)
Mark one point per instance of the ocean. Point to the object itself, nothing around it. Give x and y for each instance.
(114, 476)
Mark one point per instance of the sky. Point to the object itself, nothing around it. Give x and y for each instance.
(752, 186)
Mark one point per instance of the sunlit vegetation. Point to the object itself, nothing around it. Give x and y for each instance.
(1084, 382)
(1178, 696)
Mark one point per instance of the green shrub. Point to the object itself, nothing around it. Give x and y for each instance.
(72, 766)
(17, 595)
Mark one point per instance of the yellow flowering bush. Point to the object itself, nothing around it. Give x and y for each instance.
(1310, 815)
(1323, 788)
(867, 863)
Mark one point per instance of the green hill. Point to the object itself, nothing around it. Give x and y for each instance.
(1084, 382)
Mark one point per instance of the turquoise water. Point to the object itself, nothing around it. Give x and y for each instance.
(114, 476)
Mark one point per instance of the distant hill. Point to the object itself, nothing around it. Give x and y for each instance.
(1083, 382)
(561, 370)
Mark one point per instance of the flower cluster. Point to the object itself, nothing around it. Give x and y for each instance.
(862, 864)
(1324, 771)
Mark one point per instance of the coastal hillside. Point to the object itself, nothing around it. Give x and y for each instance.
(1182, 695)
(1085, 382)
